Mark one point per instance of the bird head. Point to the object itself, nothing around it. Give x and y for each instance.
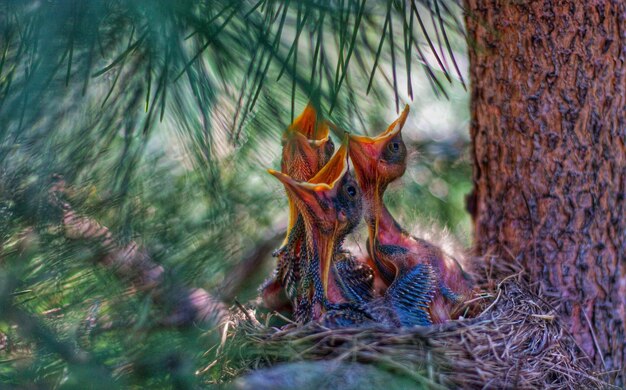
(307, 146)
(330, 203)
(381, 159)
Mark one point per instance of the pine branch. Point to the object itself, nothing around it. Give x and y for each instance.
(189, 305)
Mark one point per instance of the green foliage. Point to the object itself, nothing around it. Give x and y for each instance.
(162, 116)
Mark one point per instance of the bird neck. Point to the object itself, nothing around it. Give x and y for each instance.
(383, 230)
(382, 226)
(321, 248)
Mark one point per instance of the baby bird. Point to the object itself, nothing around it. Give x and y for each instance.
(408, 265)
(307, 147)
(330, 206)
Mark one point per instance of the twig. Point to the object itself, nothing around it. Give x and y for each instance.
(595, 340)
(250, 317)
(129, 262)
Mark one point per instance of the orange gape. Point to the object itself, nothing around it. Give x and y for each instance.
(306, 145)
(306, 149)
(394, 253)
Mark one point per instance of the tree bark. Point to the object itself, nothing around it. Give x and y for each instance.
(549, 147)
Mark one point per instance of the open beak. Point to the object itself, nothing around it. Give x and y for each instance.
(310, 124)
(312, 198)
(304, 145)
(303, 157)
(366, 151)
(335, 168)
(305, 142)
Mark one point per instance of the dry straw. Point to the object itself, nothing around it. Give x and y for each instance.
(516, 341)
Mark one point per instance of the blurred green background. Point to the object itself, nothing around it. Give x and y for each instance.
(163, 117)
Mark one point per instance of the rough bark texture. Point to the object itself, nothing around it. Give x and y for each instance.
(549, 134)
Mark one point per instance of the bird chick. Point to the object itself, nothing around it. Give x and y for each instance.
(307, 147)
(330, 206)
(397, 256)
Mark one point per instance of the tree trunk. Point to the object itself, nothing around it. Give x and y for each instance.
(549, 147)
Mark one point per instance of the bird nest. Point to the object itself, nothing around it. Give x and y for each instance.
(515, 341)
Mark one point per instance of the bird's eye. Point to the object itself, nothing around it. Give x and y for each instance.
(351, 191)
(394, 147)
(395, 152)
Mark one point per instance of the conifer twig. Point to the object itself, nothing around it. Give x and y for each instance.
(129, 262)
